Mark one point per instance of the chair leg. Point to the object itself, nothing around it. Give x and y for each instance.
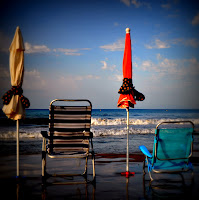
(86, 166)
(148, 169)
(93, 161)
(150, 176)
(44, 158)
(144, 167)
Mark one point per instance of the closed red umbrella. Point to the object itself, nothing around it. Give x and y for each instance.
(126, 98)
(128, 94)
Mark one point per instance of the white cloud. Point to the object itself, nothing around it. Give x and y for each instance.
(89, 76)
(92, 77)
(33, 80)
(136, 3)
(195, 20)
(112, 68)
(106, 67)
(126, 2)
(70, 52)
(135, 64)
(34, 72)
(193, 66)
(44, 49)
(116, 77)
(163, 66)
(5, 42)
(147, 65)
(172, 68)
(35, 48)
(166, 6)
(169, 4)
(193, 42)
(53, 86)
(68, 81)
(116, 46)
(158, 56)
(104, 64)
(158, 44)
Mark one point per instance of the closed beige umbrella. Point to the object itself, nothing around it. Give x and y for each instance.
(14, 102)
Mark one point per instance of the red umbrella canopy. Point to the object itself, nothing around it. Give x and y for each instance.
(126, 98)
(128, 94)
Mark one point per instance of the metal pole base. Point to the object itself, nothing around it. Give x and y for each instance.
(128, 174)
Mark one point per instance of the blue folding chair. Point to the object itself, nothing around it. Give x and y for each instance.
(171, 150)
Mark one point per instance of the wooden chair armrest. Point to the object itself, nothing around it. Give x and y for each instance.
(44, 134)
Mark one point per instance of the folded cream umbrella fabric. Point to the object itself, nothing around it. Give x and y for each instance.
(14, 102)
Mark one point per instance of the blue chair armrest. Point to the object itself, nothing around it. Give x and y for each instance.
(145, 151)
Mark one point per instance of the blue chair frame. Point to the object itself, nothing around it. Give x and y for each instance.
(171, 150)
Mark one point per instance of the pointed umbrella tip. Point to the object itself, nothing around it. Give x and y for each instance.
(17, 29)
(127, 30)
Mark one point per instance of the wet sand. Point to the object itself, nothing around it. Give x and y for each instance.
(109, 182)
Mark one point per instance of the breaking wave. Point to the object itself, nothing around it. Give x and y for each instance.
(122, 121)
(99, 126)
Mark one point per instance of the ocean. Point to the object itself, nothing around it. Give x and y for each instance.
(108, 127)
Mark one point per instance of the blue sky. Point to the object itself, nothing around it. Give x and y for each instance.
(74, 49)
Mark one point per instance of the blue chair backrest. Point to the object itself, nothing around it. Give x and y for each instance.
(173, 143)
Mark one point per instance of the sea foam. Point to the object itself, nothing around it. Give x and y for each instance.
(122, 121)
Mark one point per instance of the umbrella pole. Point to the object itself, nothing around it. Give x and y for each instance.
(127, 173)
(17, 138)
(127, 145)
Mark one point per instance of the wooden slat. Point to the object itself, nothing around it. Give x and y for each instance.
(71, 112)
(69, 128)
(69, 149)
(69, 145)
(71, 117)
(79, 121)
(68, 139)
(72, 138)
(72, 126)
(71, 134)
(69, 142)
(71, 108)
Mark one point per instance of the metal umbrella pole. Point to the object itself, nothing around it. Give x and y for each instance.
(17, 138)
(127, 145)
(127, 173)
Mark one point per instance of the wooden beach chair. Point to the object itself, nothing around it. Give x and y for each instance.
(173, 145)
(69, 135)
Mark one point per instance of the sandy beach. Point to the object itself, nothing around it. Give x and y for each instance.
(106, 72)
(109, 183)
(109, 129)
